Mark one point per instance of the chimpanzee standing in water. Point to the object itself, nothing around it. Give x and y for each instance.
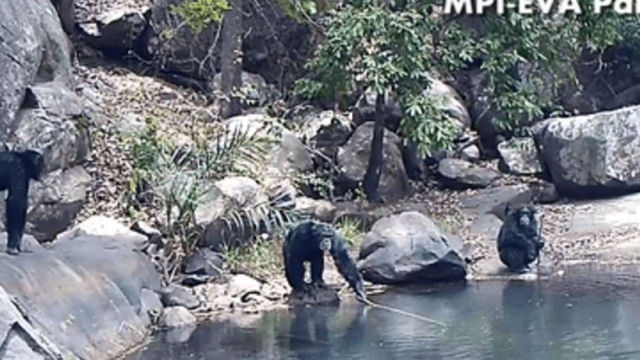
(307, 242)
(16, 169)
(520, 238)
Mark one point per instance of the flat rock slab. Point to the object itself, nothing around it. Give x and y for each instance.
(83, 294)
(493, 200)
(606, 214)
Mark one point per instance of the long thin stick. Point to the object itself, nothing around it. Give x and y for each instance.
(402, 312)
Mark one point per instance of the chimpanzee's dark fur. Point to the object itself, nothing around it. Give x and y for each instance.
(520, 238)
(303, 243)
(16, 169)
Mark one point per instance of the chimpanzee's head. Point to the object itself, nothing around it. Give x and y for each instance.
(526, 217)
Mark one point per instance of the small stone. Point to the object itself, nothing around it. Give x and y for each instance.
(150, 305)
(222, 303)
(241, 284)
(153, 235)
(177, 316)
(177, 295)
(471, 153)
(205, 262)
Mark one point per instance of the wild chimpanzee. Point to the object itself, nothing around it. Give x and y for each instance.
(520, 238)
(16, 169)
(307, 242)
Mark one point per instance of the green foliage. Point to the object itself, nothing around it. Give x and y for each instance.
(525, 59)
(352, 232)
(261, 258)
(370, 47)
(173, 181)
(199, 14)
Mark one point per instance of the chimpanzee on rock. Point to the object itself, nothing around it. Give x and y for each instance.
(16, 169)
(520, 238)
(307, 242)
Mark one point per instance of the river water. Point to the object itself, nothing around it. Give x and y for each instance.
(593, 315)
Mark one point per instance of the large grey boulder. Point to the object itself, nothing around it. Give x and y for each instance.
(34, 48)
(81, 294)
(54, 202)
(592, 155)
(353, 159)
(409, 248)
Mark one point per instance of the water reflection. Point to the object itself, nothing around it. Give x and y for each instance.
(588, 318)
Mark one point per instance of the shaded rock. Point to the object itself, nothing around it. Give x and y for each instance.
(255, 90)
(116, 30)
(545, 193)
(55, 202)
(592, 155)
(75, 287)
(519, 156)
(460, 174)
(353, 159)
(322, 210)
(204, 262)
(176, 295)
(99, 225)
(494, 200)
(326, 131)
(365, 110)
(66, 12)
(274, 45)
(406, 248)
(177, 316)
(241, 285)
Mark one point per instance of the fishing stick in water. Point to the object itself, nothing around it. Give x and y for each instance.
(402, 312)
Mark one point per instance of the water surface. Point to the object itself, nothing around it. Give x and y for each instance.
(587, 316)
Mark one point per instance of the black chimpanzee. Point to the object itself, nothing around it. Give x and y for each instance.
(16, 169)
(520, 238)
(307, 242)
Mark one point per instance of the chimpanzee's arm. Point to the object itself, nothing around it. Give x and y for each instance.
(347, 267)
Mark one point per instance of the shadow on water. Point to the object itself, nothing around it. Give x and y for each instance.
(591, 315)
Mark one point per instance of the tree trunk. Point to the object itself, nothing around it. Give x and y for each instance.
(374, 169)
(231, 61)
